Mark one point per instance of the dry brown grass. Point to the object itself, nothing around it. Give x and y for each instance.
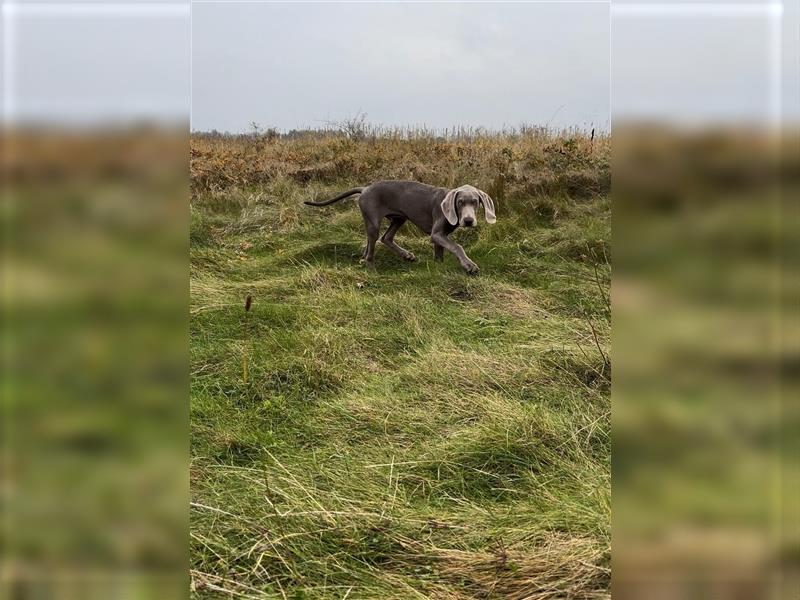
(555, 568)
(532, 163)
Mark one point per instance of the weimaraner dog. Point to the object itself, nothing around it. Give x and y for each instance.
(436, 211)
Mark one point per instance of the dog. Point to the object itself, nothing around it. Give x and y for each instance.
(436, 211)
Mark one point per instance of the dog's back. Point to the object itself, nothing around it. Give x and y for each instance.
(412, 200)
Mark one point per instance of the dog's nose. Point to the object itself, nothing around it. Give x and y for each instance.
(469, 222)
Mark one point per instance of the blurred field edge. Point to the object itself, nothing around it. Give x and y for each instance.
(705, 338)
(95, 483)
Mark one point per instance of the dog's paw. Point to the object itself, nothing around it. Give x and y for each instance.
(409, 256)
(471, 268)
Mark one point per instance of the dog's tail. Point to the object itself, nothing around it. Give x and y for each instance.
(357, 190)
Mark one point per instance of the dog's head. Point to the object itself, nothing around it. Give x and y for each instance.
(460, 205)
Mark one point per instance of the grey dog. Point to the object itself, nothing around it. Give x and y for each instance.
(436, 211)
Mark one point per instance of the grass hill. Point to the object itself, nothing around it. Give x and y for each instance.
(411, 431)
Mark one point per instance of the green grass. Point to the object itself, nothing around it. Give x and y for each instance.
(405, 432)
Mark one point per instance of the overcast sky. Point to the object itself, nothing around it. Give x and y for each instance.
(291, 66)
(438, 64)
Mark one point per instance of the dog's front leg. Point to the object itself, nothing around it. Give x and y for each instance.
(449, 245)
(438, 252)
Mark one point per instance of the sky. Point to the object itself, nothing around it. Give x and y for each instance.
(706, 62)
(557, 63)
(439, 65)
(88, 62)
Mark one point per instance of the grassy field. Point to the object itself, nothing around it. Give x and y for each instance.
(408, 432)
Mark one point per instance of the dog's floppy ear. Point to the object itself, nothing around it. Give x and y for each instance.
(449, 207)
(488, 207)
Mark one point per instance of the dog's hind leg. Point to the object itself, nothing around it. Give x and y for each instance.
(388, 239)
(371, 227)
